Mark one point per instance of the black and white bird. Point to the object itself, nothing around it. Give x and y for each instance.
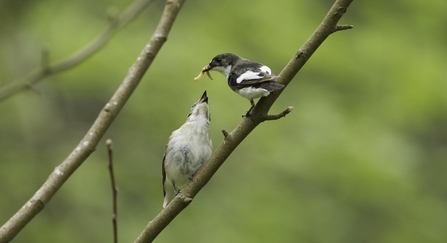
(189, 147)
(247, 78)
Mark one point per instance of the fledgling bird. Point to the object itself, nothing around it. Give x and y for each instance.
(189, 147)
(247, 78)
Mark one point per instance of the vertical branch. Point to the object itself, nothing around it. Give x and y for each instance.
(99, 127)
(114, 191)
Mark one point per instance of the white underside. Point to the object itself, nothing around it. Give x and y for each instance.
(252, 93)
(193, 137)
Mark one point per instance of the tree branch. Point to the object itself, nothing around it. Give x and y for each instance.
(342, 27)
(114, 191)
(46, 69)
(233, 139)
(105, 118)
(277, 116)
(225, 133)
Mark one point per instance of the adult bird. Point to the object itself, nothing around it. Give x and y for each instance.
(247, 78)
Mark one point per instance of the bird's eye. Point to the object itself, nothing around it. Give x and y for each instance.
(218, 59)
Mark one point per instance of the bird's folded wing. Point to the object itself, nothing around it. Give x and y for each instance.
(249, 79)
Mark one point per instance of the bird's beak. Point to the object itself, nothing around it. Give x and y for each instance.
(206, 68)
(204, 98)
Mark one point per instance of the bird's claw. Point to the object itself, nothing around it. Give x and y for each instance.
(247, 115)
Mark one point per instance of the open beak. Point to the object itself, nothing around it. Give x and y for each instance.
(204, 98)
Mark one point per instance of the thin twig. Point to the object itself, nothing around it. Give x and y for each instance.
(91, 139)
(114, 191)
(225, 133)
(183, 199)
(46, 69)
(277, 116)
(342, 27)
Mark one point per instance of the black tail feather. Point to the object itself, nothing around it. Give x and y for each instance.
(271, 86)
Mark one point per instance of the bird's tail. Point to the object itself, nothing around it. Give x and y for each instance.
(169, 194)
(272, 86)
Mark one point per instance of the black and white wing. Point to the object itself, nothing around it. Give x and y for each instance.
(250, 76)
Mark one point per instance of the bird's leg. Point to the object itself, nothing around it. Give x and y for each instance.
(251, 108)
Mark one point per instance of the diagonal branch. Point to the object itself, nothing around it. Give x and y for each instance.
(87, 51)
(105, 118)
(233, 139)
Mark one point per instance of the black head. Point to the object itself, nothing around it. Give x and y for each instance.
(222, 60)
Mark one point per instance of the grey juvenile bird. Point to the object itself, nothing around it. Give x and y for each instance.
(189, 147)
(248, 79)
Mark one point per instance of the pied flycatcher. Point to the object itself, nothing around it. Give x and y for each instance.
(189, 147)
(248, 79)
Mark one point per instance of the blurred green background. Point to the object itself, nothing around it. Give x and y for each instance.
(362, 158)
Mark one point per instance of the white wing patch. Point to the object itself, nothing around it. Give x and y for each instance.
(266, 69)
(248, 75)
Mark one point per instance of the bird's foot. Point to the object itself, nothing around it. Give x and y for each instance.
(176, 191)
(247, 115)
